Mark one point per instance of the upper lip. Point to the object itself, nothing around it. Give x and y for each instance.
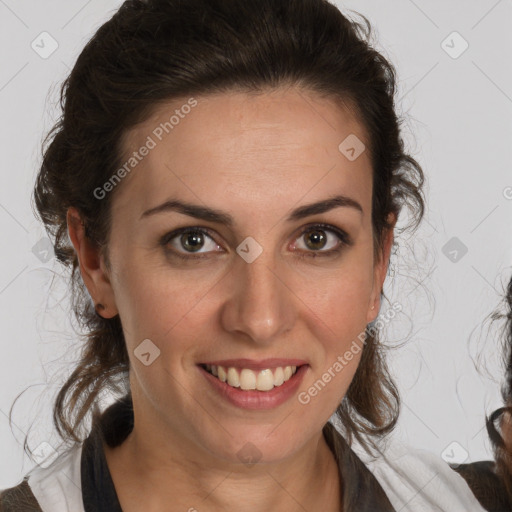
(253, 364)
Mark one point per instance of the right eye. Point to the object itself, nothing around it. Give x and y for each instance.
(186, 242)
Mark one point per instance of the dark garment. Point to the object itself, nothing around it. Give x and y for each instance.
(486, 485)
(98, 491)
(19, 499)
(360, 490)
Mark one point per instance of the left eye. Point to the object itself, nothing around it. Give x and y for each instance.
(317, 240)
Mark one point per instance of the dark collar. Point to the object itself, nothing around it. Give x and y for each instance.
(488, 488)
(98, 491)
(360, 490)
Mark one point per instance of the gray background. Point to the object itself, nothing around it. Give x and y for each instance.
(458, 124)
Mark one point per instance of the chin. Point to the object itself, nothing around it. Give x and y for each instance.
(253, 444)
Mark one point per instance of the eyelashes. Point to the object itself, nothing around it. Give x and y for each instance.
(184, 232)
(184, 235)
(342, 237)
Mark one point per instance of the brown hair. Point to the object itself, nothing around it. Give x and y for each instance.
(152, 51)
(501, 438)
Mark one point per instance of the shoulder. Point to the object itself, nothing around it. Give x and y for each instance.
(55, 488)
(17, 498)
(58, 487)
(416, 480)
(486, 485)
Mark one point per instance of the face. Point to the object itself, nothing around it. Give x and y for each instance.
(243, 280)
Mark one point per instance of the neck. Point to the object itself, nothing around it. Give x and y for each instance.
(150, 472)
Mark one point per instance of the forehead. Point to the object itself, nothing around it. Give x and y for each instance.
(239, 146)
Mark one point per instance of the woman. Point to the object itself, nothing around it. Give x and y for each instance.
(229, 174)
(491, 481)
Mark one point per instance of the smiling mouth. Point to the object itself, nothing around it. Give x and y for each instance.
(247, 379)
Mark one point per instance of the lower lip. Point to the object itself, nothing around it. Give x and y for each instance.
(254, 399)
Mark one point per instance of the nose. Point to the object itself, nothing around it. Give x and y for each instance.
(261, 306)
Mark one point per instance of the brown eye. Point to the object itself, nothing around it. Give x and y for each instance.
(316, 239)
(192, 241)
(186, 242)
(322, 240)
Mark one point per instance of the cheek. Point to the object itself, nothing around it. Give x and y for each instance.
(166, 312)
(154, 302)
(342, 298)
(338, 320)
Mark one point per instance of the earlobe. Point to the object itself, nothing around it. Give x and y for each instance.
(373, 311)
(92, 268)
(380, 272)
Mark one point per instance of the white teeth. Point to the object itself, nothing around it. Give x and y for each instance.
(265, 380)
(278, 376)
(222, 375)
(233, 379)
(246, 379)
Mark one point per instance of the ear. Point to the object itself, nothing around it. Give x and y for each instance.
(92, 266)
(380, 269)
(506, 428)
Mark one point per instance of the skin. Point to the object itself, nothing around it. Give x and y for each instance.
(506, 429)
(282, 144)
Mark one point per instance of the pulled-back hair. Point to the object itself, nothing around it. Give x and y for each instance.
(152, 51)
(501, 438)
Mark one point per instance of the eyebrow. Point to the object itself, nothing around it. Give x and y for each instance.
(220, 217)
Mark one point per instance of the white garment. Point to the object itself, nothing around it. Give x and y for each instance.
(58, 488)
(417, 481)
(414, 481)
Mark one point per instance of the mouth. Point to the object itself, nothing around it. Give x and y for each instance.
(248, 379)
(254, 385)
